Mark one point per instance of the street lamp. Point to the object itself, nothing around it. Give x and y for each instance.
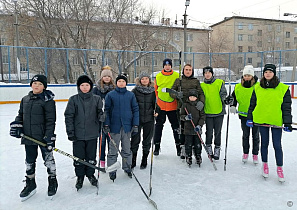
(17, 40)
(187, 3)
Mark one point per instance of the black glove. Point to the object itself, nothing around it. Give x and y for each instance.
(199, 105)
(50, 142)
(288, 128)
(188, 117)
(134, 130)
(106, 129)
(72, 138)
(16, 129)
(229, 100)
(179, 95)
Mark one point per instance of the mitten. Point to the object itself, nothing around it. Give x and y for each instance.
(288, 128)
(233, 109)
(229, 100)
(16, 129)
(199, 105)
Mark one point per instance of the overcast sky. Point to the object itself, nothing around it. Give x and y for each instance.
(207, 12)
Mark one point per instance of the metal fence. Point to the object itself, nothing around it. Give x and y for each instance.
(64, 65)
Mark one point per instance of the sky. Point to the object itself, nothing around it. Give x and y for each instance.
(205, 13)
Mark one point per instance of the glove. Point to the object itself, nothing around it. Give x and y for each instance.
(72, 138)
(50, 142)
(233, 109)
(229, 100)
(249, 123)
(189, 117)
(134, 130)
(198, 129)
(179, 95)
(16, 129)
(288, 128)
(199, 105)
(106, 129)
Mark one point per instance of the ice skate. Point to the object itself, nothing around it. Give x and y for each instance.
(129, 173)
(112, 176)
(93, 180)
(255, 159)
(182, 152)
(198, 160)
(189, 160)
(52, 186)
(217, 151)
(265, 170)
(79, 182)
(280, 174)
(157, 149)
(245, 158)
(29, 190)
(209, 150)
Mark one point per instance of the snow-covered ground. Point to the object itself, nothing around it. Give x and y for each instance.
(175, 186)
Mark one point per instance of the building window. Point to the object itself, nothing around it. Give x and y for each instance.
(250, 60)
(259, 64)
(287, 44)
(259, 55)
(239, 60)
(137, 63)
(287, 55)
(250, 49)
(164, 36)
(287, 34)
(295, 40)
(177, 36)
(93, 61)
(176, 62)
(190, 49)
(155, 62)
(277, 39)
(5, 59)
(2, 40)
(240, 26)
(259, 44)
(269, 27)
(287, 64)
(240, 37)
(259, 32)
(146, 61)
(278, 27)
(251, 27)
(269, 39)
(239, 48)
(23, 67)
(75, 61)
(250, 37)
(189, 37)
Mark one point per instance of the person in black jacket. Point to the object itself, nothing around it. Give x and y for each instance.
(145, 95)
(83, 117)
(37, 119)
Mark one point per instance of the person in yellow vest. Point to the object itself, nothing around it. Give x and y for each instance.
(242, 95)
(215, 100)
(271, 104)
(166, 105)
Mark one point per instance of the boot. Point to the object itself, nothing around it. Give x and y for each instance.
(157, 149)
(183, 152)
(178, 149)
(134, 158)
(144, 160)
(198, 159)
(113, 175)
(129, 173)
(29, 189)
(52, 185)
(209, 150)
(79, 182)
(265, 170)
(245, 157)
(93, 180)
(189, 160)
(217, 151)
(280, 174)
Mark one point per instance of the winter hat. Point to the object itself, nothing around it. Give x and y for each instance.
(122, 76)
(106, 72)
(167, 61)
(248, 70)
(84, 79)
(39, 78)
(144, 74)
(208, 68)
(270, 67)
(193, 92)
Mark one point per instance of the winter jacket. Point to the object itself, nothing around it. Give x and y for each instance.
(83, 116)
(38, 115)
(220, 96)
(146, 100)
(121, 110)
(278, 99)
(186, 84)
(102, 92)
(198, 117)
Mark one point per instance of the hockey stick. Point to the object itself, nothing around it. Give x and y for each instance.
(151, 168)
(100, 144)
(124, 159)
(272, 126)
(108, 169)
(227, 130)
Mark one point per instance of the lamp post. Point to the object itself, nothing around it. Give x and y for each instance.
(17, 40)
(187, 3)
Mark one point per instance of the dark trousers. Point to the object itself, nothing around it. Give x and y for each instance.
(246, 138)
(160, 120)
(85, 150)
(214, 124)
(192, 142)
(276, 141)
(31, 156)
(103, 146)
(147, 135)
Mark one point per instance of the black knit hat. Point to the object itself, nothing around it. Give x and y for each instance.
(167, 61)
(39, 78)
(193, 92)
(84, 79)
(208, 68)
(270, 67)
(122, 76)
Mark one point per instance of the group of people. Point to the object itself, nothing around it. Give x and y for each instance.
(118, 116)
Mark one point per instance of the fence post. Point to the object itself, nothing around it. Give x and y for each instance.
(45, 61)
(67, 68)
(28, 70)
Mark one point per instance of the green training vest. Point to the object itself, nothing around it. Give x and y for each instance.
(269, 101)
(165, 81)
(243, 97)
(213, 103)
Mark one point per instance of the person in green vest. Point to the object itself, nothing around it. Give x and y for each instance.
(215, 100)
(242, 95)
(271, 105)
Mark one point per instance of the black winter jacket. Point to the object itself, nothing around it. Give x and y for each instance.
(38, 115)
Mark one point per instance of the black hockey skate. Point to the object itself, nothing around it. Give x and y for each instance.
(113, 176)
(79, 182)
(29, 190)
(198, 160)
(189, 160)
(52, 185)
(157, 149)
(93, 180)
(129, 173)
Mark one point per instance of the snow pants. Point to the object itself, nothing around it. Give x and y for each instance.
(246, 138)
(192, 142)
(147, 135)
(214, 124)
(103, 146)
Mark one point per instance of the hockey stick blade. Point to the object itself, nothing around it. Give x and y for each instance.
(113, 167)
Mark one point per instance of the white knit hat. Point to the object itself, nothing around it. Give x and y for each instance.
(248, 69)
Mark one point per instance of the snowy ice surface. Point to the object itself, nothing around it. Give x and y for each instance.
(175, 185)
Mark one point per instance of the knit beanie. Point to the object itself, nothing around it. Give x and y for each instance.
(106, 72)
(84, 79)
(248, 70)
(208, 68)
(39, 78)
(270, 67)
(122, 76)
(167, 61)
(193, 92)
(144, 74)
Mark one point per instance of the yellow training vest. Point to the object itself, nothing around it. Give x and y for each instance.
(165, 81)
(243, 97)
(213, 103)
